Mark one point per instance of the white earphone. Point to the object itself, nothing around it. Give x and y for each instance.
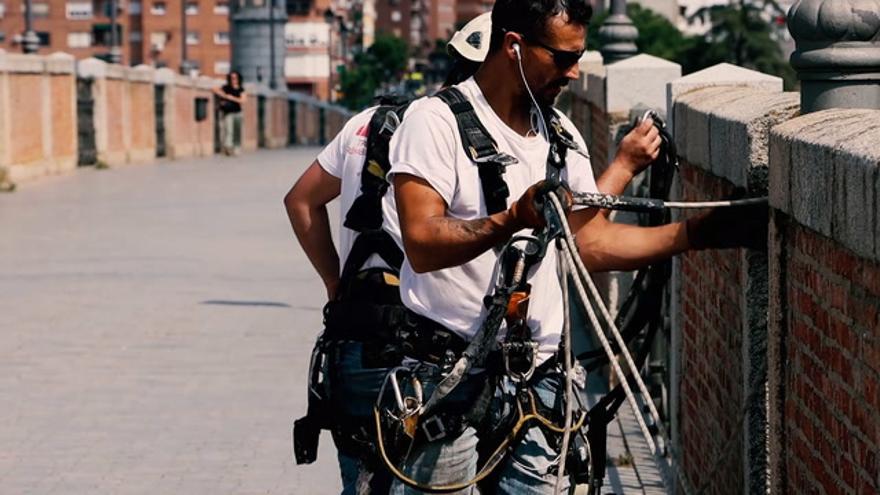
(516, 50)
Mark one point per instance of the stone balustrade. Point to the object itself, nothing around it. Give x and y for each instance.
(56, 113)
(773, 356)
(38, 130)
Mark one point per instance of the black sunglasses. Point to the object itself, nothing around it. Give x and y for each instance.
(563, 59)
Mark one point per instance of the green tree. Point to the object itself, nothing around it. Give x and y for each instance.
(739, 35)
(384, 61)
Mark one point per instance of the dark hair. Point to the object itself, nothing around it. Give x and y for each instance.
(529, 17)
(460, 71)
(229, 78)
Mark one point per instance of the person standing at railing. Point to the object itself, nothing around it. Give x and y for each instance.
(231, 98)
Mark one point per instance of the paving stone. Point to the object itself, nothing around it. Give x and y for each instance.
(139, 353)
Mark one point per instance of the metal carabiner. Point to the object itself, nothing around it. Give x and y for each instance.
(409, 405)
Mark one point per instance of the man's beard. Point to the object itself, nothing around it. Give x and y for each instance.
(548, 94)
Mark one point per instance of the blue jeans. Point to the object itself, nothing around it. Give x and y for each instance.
(354, 390)
(530, 469)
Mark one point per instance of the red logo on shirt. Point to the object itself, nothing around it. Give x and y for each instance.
(363, 131)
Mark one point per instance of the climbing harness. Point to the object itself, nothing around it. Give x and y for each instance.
(582, 432)
(367, 304)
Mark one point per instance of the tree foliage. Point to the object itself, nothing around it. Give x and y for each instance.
(385, 60)
(739, 35)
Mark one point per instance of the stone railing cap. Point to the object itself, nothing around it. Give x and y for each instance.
(27, 64)
(91, 68)
(164, 76)
(142, 73)
(824, 173)
(117, 71)
(61, 63)
(726, 130)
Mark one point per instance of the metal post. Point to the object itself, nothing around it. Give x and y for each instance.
(618, 35)
(184, 64)
(31, 42)
(272, 82)
(115, 55)
(329, 18)
(836, 51)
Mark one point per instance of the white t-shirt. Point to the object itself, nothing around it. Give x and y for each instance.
(344, 159)
(428, 145)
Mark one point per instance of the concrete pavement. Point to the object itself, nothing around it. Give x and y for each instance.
(155, 327)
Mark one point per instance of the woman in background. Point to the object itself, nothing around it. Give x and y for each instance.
(232, 97)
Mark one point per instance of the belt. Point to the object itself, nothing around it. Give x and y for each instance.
(426, 340)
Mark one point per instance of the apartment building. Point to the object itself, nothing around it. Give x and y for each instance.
(419, 22)
(149, 31)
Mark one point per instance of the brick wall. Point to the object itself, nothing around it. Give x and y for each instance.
(712, 374)
(832, 404)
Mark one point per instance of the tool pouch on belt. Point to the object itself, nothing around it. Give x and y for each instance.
(368, 311)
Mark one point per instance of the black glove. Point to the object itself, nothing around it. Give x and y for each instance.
(730, 227)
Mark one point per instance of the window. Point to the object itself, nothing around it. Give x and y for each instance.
(192, 8)
(101, 34)
(221, 7)
(135, 7)
(135, 36)
(158, 8)
(221, 38)
(298, 7)
(221, 68)
(79, 40)
(40, 9)
(395, 16)
(45, 37)
(192, 37)
(2, 10)
(79, 11)
(159, 38)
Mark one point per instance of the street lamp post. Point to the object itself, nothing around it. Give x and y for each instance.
(115, 55)
(618, 35)
(272, 83)
(329, 18)
(184, 64)
(31, 42)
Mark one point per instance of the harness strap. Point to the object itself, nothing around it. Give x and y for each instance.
(481, 148)
(365, 214)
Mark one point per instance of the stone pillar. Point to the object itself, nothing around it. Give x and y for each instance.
(722, 119)
(618, 35)
(37, 116)
(837, 55)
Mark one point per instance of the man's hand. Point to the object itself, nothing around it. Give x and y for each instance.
(639, 147)
(528, 211)
(732, 227)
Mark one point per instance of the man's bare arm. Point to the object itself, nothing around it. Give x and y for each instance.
(607, 246)
(306, 205)
(637, 150)
(432, 240)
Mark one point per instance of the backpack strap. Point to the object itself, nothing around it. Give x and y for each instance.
(365, 214)
(481, 148)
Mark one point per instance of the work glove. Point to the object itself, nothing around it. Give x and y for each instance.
(528, 211)
(730, 227)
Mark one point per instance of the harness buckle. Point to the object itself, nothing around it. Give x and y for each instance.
(433, 428)
(390, 124)
(500, 158)
(519, 359)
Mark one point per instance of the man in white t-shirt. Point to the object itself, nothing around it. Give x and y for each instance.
(355, 373)
(448, 234)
